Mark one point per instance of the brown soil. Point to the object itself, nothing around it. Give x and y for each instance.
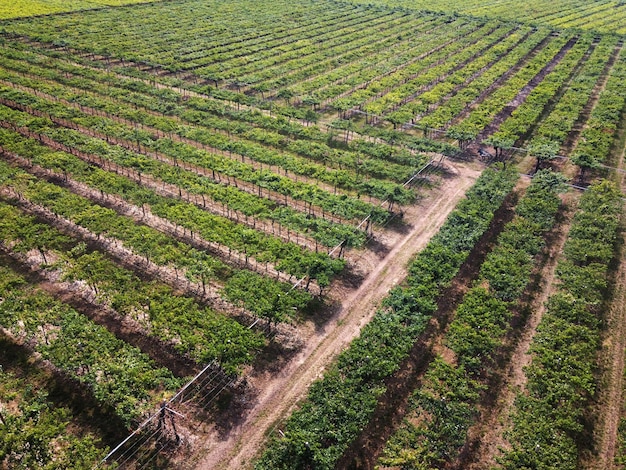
(611, 399)
(423, 35)
(81, 299)
(612, 355)
(486, 438)
(516, 102)
(471, 78)
(277, 393)
(171, 190)
(392, 405)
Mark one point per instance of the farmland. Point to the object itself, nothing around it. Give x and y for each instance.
(603, 16)
(312, 234)
(21, 8)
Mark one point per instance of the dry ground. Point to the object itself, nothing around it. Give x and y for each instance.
(278, 392)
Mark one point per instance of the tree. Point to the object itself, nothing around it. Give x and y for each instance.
(398, 118)
(585, 162)
(500, 144)
(286, 94)
(311, 116)
(312, 101)
(543, 150)
(462, 136)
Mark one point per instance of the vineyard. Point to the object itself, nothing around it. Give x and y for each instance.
(312, 234)
(604, 16)
(20, 8)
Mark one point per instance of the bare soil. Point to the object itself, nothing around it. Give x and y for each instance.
(275, 393)
(392, 405)
(612, 355)
(486, 438)
(520, 98)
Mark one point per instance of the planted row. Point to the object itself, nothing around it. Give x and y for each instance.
(482, 116)
(554, 128)
(306, 84)
(189, 263)
(287, 256)
(351, 176)
(435, 76)
(446, 403)
(604, 16)
(558, 124)
(383, 85)
(598, 134)
(342, 403)
(199, 332)
(551, 416)
(470, 92)
(208, 113)
(213, 192)
(121, 378)
(138, 41)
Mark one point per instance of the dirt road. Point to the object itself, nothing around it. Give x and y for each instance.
(280, 392)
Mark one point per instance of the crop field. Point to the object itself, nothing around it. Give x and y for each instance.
(312, 234)
(22, 8)
(603, 16)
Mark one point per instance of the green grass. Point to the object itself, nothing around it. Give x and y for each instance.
(22, 8)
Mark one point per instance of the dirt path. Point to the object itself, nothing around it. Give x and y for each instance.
(393, 404)
(487, 437)
(280, 392)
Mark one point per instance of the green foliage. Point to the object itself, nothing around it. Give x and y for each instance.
(264, 297)
(553, 129)
(549, 417)
(341, 404)
(201, 125)
(144, 241)
(599, 133)
(24, 8)
(287, 256)
(445, 404)
(200, 332)
(595, 16)
(121, 377)
(444, 407)
(38, 434)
